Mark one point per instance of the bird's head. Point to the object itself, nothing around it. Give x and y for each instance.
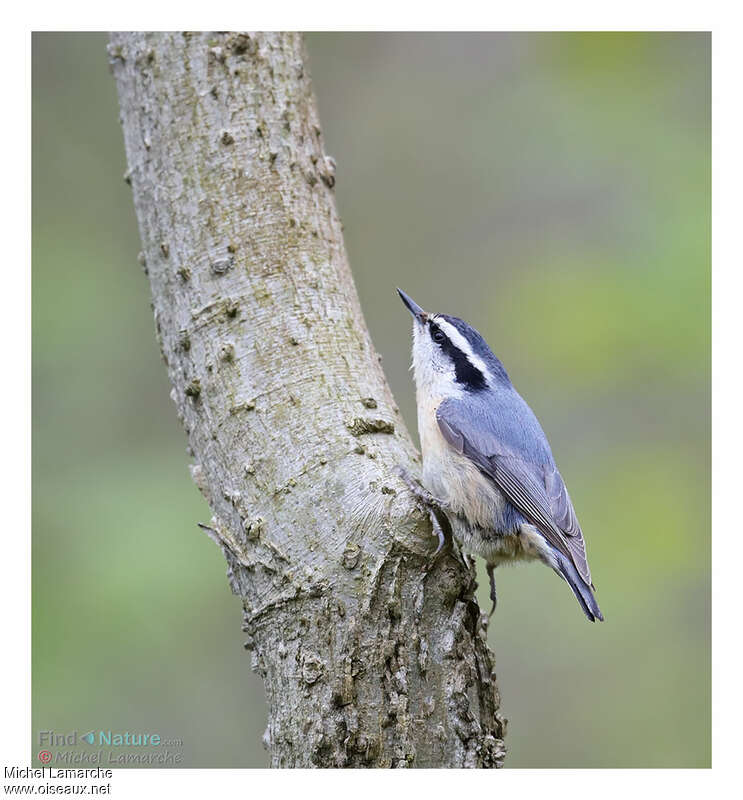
(449, 356)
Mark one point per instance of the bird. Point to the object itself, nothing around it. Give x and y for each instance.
(487, 464)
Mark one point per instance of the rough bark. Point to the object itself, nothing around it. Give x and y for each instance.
(372, 652)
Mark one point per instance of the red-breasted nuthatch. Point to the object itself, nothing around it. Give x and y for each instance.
(486, 461)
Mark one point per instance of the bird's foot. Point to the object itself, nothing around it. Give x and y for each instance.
(422, 494)
(432, 504)
(436, 525)
(493, 596)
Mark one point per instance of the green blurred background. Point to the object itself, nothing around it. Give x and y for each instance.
(553, 190)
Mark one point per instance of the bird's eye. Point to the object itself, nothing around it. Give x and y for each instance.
(438, 336)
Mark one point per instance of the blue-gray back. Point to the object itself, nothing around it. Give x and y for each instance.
(498, 431)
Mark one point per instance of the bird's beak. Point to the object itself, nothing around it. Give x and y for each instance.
(418, 313)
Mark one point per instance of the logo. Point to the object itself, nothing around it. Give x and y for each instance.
(126, 748)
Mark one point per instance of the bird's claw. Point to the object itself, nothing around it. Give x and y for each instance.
(493, 596)
(430, 503)
(419, 492)
(437, 530)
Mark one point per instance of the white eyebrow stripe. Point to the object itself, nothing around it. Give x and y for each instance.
(462, 344)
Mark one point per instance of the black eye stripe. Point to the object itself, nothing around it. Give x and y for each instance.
(437, 334)
(465, 371)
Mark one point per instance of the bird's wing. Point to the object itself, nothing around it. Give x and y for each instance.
(564, 516)
(530, 483)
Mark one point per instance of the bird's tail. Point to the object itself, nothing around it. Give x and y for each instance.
(582, 591)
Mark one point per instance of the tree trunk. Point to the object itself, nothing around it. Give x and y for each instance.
(372, 651)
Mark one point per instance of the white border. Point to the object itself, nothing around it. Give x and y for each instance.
(727, 339)
(383, 15)
(15, 356)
